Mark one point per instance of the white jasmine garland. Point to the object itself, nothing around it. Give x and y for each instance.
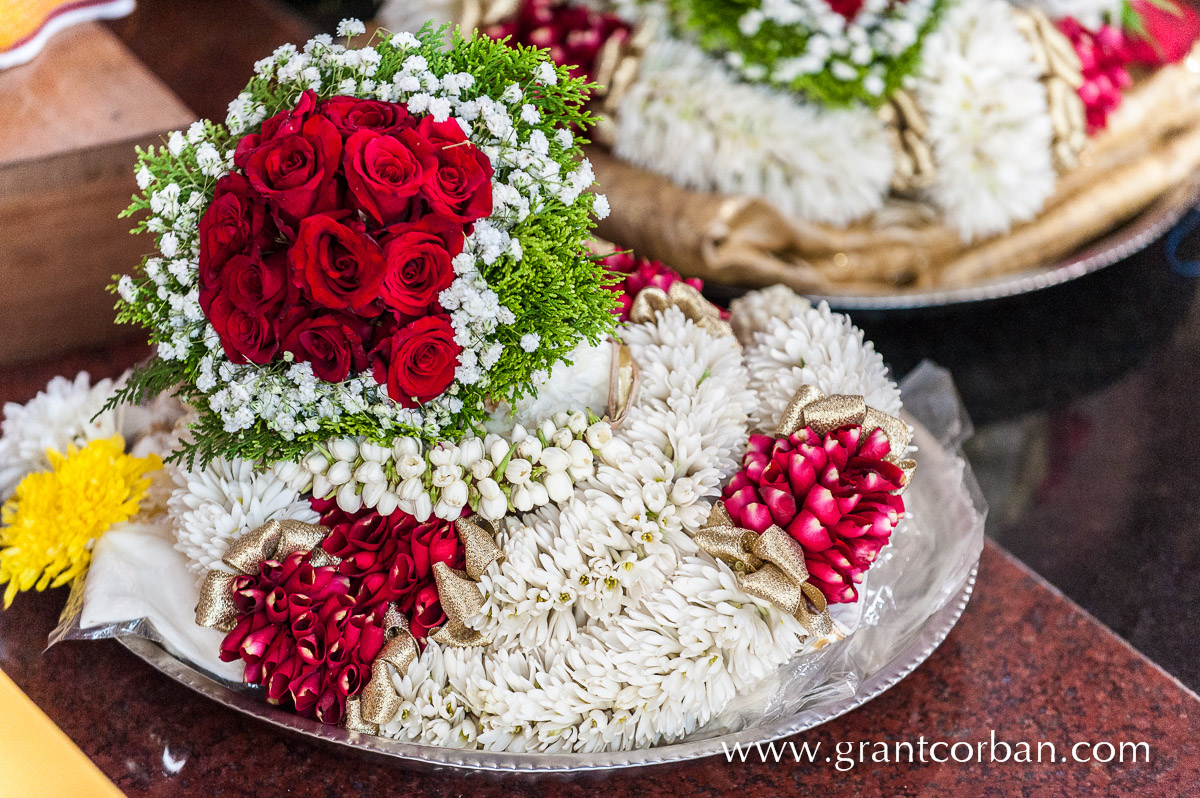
(689, 119)
(756, 309)
(989, 123)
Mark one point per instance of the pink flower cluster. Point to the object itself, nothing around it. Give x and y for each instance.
(639, 273)
(833, 493)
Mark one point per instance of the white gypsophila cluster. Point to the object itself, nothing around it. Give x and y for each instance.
(755, 310)
(216, 504)
(292, 401)
(1090, 13)
(989, 123)
(495, 474)
(815, 347)
(610, 630)
(689, 119)
(880, 30)
(61, 416)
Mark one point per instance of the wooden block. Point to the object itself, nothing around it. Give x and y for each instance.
(72, 118)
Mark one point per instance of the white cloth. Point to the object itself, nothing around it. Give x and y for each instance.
(136, 573)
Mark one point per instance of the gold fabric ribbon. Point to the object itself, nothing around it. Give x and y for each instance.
(624, 380)
(823, 414)
(769, 566)
(706, 315)
(379, 700)
(459, 591)
(274, 540)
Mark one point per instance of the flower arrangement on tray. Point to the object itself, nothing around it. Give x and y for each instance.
(856, 147)
(422, 465)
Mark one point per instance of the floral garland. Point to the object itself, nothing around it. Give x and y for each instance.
(377, 242)
(835, 52)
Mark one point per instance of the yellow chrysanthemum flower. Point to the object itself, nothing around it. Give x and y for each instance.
(55, 517)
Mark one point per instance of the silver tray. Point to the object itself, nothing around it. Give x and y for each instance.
(931, 635)
(1130, 238)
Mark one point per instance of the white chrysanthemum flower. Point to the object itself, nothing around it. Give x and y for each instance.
(815, 347)
(989, 122)
(63, 415)
(214, 505)
(688, 118)
(755, 310)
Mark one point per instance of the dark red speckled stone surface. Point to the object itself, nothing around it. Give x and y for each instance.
(1023, 661)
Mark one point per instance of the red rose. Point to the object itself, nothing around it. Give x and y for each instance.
(338, 266)
(284, 123)
(296, 174)
(1169, 29)
(417, 363)
(350, 115)
(332, 343)
(256, 285)
(384, 173)
(235, 222)
(427, 613)
(419, 264)
(460, 188)
(247, 337)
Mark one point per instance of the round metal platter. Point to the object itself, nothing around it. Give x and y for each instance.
(1132, 237)
(248, 701)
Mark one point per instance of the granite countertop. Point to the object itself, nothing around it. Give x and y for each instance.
(1023, 661)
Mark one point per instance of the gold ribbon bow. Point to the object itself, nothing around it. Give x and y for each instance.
(459, 591)
(769, 566)
(274, 540)
(705, 314)
(379, 700)
(822, 414)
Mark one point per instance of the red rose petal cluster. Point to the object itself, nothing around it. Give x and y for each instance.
(638, 273)
(390, 559)
(309, 634)
(304, 636)
(573, 34)
(1103, 55)
(833, 493)
(335, 235)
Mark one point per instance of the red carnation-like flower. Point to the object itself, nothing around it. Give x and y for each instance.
(833, 493)
(1169, 28)
(338, 266)
(391, 557)
(303, 636)
(417, 361)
